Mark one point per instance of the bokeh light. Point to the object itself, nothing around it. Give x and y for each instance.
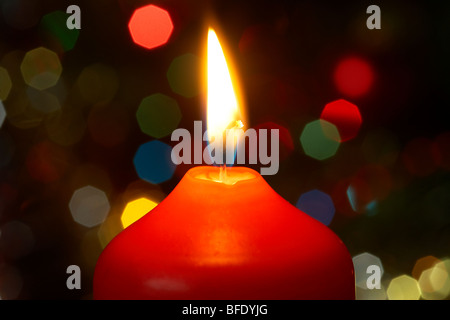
(5, 84)
(56, 33)
(353, 76)
(2, 113)
(403, 288)
(286, 144)
(43, 101)
(135, 210)
(371, 294)
(150, 26)
(153, 162)
(360, 264)
(434, 282)
(369, 185)
(98, 83)
(345, 116)
(89, 206)
(318, 205)
(110, 228)
(320, 139)
(422, 264)
(183, 75)
(41, 68)
(158, 115)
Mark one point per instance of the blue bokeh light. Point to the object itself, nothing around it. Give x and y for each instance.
(318, 205)
(153, 163)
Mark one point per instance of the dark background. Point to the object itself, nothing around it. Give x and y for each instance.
(286, 73)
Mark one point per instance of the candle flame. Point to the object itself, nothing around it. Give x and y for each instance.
(223, 108)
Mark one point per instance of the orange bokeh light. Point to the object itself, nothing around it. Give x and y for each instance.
(150, 26)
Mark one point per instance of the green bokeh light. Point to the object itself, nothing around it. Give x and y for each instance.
(56, 32)
(158, 115)
(320, 139)
(182, 75)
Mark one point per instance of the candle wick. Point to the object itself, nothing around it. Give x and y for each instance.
(223, 173)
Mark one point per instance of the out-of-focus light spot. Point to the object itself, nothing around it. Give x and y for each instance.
(158, 115)
(55, 31)
(371, 208)
(108, 124)
(6, 149)
(5, 84)
(11, 282)
(21, 14)
(150, 26)
(403, 288)
(66, 127)
(353, 77)
(371, 183)
(98, 83)
(153, 162)
(371, 294)
(17, 239)
(341, 200)
(381, 146)
(46, 162)
(183, 75)
(360, 264)
(418, 157)
(135, 210)
(20, 112)
(318, 205)
(442, 151)
(2, 114)
(345, 116)
(89, 206)
(43, 101)
(41, 68)
(434, 282)
(320, 139)
(90, 248)
(286, 146)
(110, 228)
(422, 264)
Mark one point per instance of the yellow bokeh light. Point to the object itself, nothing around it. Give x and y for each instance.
(222, 100)
(135, 210)
(403, 288)
(435, 282)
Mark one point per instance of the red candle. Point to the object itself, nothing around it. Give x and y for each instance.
(236, 239)
(224, 235)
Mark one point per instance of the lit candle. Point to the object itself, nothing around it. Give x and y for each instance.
(224, 236)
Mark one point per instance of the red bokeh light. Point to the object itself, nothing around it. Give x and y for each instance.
(345, 116)
(353, 77)
(150, 26)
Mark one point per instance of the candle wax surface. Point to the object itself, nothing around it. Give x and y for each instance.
(232, 239)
